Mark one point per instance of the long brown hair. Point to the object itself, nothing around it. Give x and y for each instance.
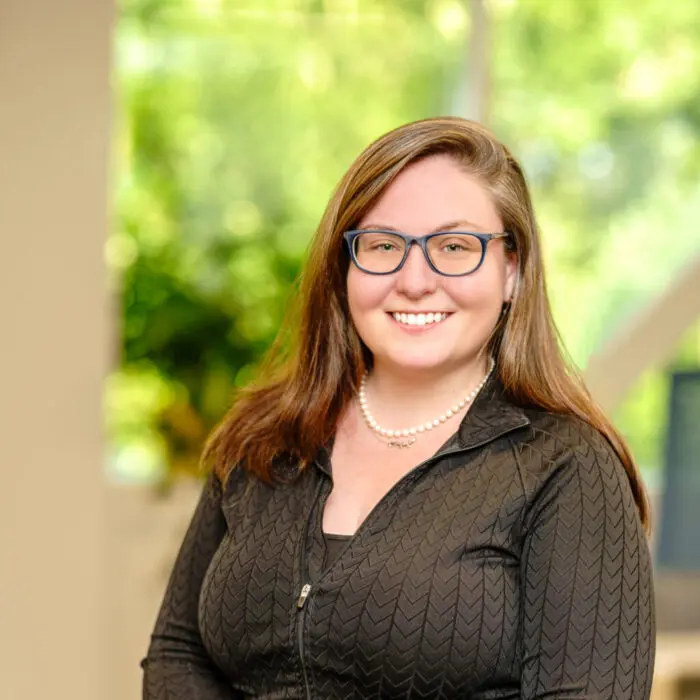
(314, 368)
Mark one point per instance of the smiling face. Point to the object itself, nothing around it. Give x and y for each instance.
(416, 318)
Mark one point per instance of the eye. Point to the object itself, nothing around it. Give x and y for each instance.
(378, 242)
(384, 246)
(458, 244)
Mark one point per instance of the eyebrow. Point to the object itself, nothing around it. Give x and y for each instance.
(449, 226)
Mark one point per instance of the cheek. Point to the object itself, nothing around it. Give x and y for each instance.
(479, 294)
(365, 293)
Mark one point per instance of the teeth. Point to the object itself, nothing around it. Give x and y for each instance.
(419, 319)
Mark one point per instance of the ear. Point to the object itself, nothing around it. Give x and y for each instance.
(511, 277)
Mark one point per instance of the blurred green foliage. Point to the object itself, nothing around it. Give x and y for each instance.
(236, 119)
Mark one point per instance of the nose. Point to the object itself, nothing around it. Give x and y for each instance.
(416, 278)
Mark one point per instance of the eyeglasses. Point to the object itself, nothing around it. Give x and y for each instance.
(453, 254)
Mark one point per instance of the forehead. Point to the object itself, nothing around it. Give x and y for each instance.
(430, 193)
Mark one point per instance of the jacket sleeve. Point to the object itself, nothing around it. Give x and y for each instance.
(177, 666)
(587, 600)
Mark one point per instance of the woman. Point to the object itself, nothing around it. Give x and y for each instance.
(421, 501)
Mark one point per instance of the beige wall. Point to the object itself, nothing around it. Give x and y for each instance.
(54, 135)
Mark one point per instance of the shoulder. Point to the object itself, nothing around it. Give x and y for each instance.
(556, 436)
(563, 454)
(242, 487)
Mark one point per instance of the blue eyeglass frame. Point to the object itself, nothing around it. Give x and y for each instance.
(422, 241)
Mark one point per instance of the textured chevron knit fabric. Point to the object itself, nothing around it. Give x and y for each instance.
(512, 564)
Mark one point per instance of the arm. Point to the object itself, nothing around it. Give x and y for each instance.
(586, 585)
(177, 666)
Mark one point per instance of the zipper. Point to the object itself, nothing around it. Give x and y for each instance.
(304, 594)
(307, 586)
(306, 589)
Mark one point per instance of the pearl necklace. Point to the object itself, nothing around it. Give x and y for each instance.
(407, 436)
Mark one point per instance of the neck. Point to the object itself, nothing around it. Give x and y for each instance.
(400, 397)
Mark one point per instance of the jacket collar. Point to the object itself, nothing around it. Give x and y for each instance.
(491, 416)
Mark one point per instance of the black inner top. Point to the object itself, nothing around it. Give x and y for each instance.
(334, 545)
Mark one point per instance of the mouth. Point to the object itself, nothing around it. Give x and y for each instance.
(420, 320)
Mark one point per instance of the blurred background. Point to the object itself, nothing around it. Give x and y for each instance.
(163, 165)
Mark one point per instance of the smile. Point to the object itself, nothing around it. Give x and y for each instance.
(422, 319)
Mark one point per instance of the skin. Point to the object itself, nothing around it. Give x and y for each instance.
(417, 373)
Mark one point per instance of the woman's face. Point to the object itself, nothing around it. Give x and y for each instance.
(434, 194)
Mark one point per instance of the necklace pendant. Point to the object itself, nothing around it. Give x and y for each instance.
(401, 443)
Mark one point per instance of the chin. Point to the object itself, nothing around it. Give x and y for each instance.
(406, 362)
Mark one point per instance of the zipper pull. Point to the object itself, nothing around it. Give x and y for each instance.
(306, 589)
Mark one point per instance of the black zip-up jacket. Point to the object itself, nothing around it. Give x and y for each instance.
(512, 564)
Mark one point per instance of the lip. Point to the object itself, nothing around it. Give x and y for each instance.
(411, 311)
